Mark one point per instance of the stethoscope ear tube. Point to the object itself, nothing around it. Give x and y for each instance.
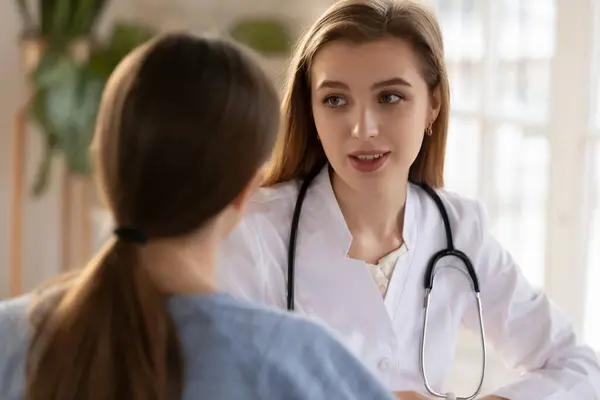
(449, 251)
(291, 273)
(430, 271)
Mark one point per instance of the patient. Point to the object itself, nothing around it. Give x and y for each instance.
(184, 127)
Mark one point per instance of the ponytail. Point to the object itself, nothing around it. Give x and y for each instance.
(106, 334)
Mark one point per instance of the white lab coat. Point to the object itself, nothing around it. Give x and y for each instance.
(521, 323)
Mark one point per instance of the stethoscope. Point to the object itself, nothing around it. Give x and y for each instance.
(431, 270)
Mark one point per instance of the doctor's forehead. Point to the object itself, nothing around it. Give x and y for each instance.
(365, 63)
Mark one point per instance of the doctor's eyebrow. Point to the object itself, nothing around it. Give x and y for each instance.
(331, 84)
(391, 82)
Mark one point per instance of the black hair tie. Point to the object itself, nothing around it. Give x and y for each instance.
(131, 235)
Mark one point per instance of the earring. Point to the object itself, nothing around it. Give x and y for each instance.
(429, 130)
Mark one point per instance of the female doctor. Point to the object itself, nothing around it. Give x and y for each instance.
(366, 113)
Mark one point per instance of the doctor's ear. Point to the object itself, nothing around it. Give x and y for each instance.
(436, 103)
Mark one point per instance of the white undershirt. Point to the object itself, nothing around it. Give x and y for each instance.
(383, 270)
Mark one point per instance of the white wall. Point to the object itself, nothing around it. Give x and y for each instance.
(40, 246)
(10, 94)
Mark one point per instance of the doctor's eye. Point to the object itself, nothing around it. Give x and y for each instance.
(334, 101)
(390, 98)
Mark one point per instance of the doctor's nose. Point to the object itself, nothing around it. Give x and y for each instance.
(365, 126)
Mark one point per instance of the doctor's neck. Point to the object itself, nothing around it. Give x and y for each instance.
(375, 219)
(183, 265)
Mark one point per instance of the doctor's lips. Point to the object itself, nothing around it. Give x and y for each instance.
(368, 160)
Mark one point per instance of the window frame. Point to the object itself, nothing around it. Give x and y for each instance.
(568, 127)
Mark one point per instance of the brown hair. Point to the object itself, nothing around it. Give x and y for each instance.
(184, 125)
(298, 152)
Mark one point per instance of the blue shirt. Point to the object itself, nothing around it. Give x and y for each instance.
(232, 350)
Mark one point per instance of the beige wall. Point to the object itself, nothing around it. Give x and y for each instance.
(10, 94)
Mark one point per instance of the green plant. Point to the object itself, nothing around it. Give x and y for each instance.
(69, 79)
(265, 35)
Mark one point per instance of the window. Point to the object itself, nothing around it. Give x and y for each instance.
(592, 322)
(520, 174)
(592, 188)
(463, 156)
(498, 139)
(521, 75)
(525, 81)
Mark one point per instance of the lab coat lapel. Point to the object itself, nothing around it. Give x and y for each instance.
(402, 269)
(327, 278)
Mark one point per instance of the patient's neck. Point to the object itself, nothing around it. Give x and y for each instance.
(182, 266)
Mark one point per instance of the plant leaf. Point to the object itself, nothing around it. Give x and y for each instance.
(37, 111)
(125, 37)
(42, 176)
(61, 96)
(78, 139)
(68, 92)
(60, 20)
(86, 15)
(263, 35)
(46, 14)
(53, 68)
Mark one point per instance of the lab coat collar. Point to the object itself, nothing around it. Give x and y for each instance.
(324, 207)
